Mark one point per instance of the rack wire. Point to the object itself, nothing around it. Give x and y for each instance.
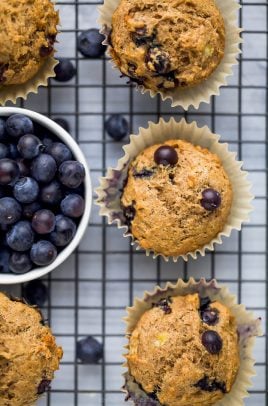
(89, 292)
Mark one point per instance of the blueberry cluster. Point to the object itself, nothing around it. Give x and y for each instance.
(41, 195)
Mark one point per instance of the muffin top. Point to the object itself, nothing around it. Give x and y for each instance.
(177, 197)
(28, 30)
(167, 44)
(184, 351)
(28, 353)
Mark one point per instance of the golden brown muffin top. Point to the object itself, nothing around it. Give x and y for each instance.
(167, 44)
(164, 204)
(185, 352)
(28, 353)
(28, 30)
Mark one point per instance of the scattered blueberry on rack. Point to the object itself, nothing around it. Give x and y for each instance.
(117, 127)
(41, 195)
(89, 350)
(65, 70)
(89, 43)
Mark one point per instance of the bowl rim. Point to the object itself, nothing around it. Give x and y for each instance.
(63, 135)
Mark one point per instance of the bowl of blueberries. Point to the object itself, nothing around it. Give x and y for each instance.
(45, 195)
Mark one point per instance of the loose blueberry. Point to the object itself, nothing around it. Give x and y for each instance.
(23, 167)
(63, 123)
(19, 262)
(29, 146)
(44, 168)
(89, 43)
(60, 152)
(20, 237)
(71, 174)
(9, 171)
(166, 155)
(210, 385)
(35, 293)
(43, 253)
(52, 193)
(29, 210)
(43, 387)
(3, 151)
(89, 350)
(64, 232)
(65, 70)
(26, 190)
(117, 127)
(10, 210)
(210, 316)
(211, 199)
(73, 205)
(43, 221)
(13, 152)
(212, 341)
(18, 125)
(4, 260)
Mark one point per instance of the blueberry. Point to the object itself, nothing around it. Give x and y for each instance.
(20, 237)
(60, 152)
(43, 221)
(73, 205)
(204, 303)
(89, 43)
(65, 70)
(43, 253)
(210, 385)
(164, 304)
(35, 293)
(158, 61)
(43, 386)
(89, 350)
(13, 152)
(29, 210)
(211, 199)
(23, 167)
(10, 210)
(18, 125)
(9, 171)
(52, 193)
(210, 316)
(64, 232)
(2, 130)
(3, 151)
(29, 146)
(117, 127)
(71, 174)
(212, 341)
(44, 168)
(63, 123)
(166, 155)
(19, 262)
(26, 190)
(129, 213)
(47, 142)
(4, 260)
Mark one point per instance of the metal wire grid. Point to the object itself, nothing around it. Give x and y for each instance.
(88, 294)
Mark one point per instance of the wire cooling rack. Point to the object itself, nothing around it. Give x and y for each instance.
(89, 292)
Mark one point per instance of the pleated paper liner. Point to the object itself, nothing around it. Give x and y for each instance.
(248, 327)
(13, 92)
(110, 189)
(211, 86)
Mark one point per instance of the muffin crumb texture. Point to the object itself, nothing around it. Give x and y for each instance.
(186, 356)
(27, 35)
(176, 208)
(168, 44)
(28, 354)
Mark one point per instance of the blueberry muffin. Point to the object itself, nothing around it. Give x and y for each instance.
(177, 198)
(184, 351)
(28, 30)
(28, 353)
(167, 44)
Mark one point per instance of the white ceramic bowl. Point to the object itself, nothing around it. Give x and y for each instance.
(58, 131)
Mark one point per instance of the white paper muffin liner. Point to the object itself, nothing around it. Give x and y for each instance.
(185, 97)
(248, 328)
(111, 186)
(13, 92)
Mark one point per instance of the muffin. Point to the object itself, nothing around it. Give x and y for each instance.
(177, 197)
(189, 344)
(185, 351)
(168, 44)
(28, 32)
(29, 355)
